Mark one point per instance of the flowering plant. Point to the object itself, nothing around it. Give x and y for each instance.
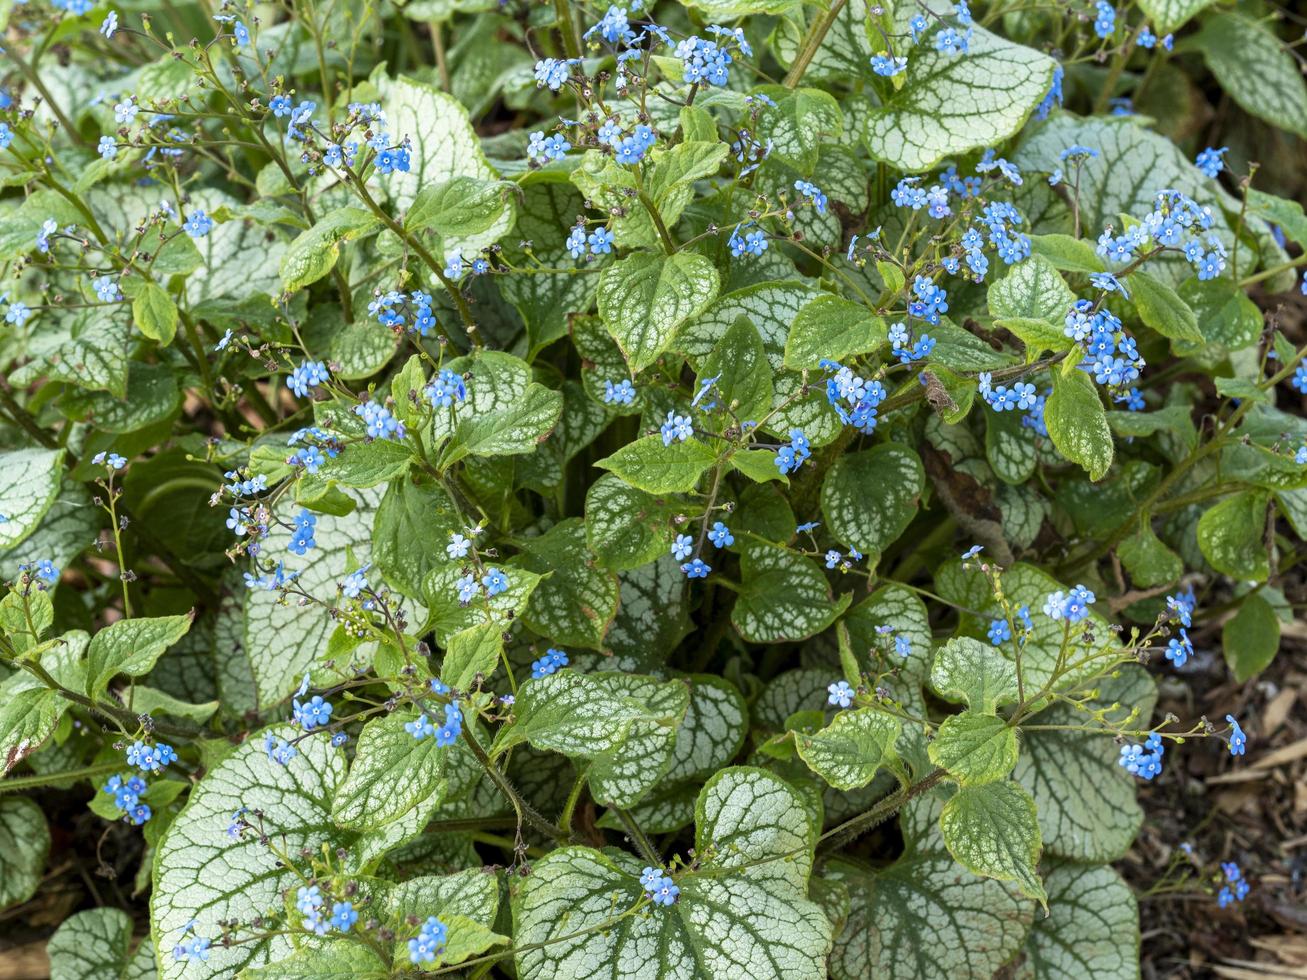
(527, 490)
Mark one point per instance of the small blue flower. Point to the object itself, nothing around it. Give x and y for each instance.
(682, 547)
(429, 942)
(420, 727)
(1179, 650)
(198, 224)
(999, 632)
(495, 581)
(720, 535)
(696, 569)
(676, 428)
(343, 916)
(549, 663)
(601, 241)
(1238, 740)
(1210, 162)
(840, 694)
(621, 393)
(312, 714)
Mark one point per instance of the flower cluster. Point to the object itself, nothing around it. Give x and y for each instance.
(126, 792)
(659, 887)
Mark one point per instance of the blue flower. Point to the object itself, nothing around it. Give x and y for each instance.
(950, 42)
(448, 733)
(664, 892)
(467, 589)
(312, 714)
(278, 749)
(696, 569)
(622, 393)
(1178, 651)
(999, 632)
(720, 535)
(241, 33)
(1238, 740)
(198, 224)
(682, 547)
(307, 376)
(107, 147)
(1105, 22)
(1210, 162)
(552, 73)
(380, 422)
(1237, 888)
(446, 388)
(902, 645)
(495, 581)
(110, 24)
(301, 539)
(790, 458)
(840, 694)
(887, 65)
(429, 942)
(420, 727)
(601, 241)
(549, 663)
(812, 193)
(343, 916)
(676, 428)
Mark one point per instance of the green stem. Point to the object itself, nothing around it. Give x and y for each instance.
(812, 43)
(525, 812)
(638, 837)
(16, 784)
(837, 837)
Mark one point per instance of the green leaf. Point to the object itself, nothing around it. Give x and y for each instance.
(626, 527)
(739, 364)
(759, 465)
(645, 297)
(752, 888)
(976, 672)
(1169, 16)
(1091, 930)
(1161, 308)
(1147, 559)
(24, 846)
(410, 533)
(92, 945)
(313, 253)
(868, 498)
(1251, 638)
(849, 751)
(798, 124)
(991, 831)
(152, 701)
(448, 616)
(1225, 315)
(673, 170)
(975, 748)
(1066, 253)
(1278, 211)
(784, 596)
(334, 959)
(155, 313)
(648, 465)
(445, 146)
(475, 650)
(951, 104)
(1077, 423)
(1255, 69)
(511, 431)
(460, 208)
(30, 485)
(202, 873)
(131, 647)
(1032, 289)
(831, 327)
(581, 599)
(393, 773)
(1230, 536)
(29, 711)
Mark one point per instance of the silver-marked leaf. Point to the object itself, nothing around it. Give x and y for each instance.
(868, 498)
(204, 874)
(746, 915)
(448, 616)
(626, 527)
(1091, 930)
(392, 773)
(282, 641)
(1255, 68)
(1010, 447)
(950, 104)
(645, 297)
(622, 775)
(798, 124)
(1230, 536)
(991, 830)
(1170, 15)
(713, 730)
(92, 945)
(334, 959)
(314, 252)
(24, 845)
(975, 672)
(1087, 806)
(579, 603)
(849, 751)
(653, 616)
(784, 596)
(923, 919)
(28, 486)
(516, 429)
(1033, 289)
